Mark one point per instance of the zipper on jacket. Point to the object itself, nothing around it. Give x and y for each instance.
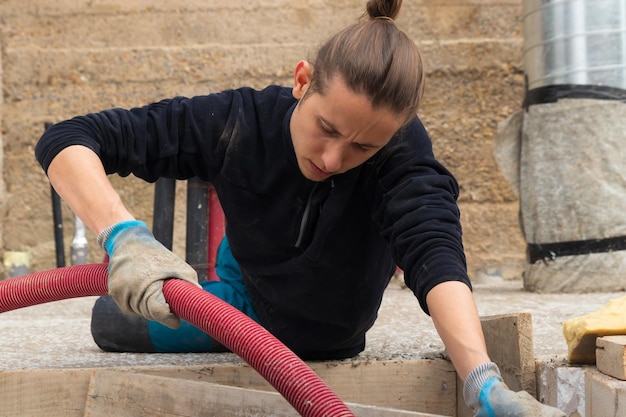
(314, 204)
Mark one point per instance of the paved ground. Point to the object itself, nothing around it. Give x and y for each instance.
(56, 335)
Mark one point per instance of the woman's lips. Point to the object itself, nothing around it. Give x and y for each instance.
(319, 171)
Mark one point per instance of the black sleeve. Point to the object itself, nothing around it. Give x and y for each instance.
(415, 205)
(177, 138)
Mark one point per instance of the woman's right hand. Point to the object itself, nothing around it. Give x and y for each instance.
(138, 266)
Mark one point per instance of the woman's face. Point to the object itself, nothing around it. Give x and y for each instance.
(338, 130)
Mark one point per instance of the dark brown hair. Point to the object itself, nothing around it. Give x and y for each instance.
(375, 58)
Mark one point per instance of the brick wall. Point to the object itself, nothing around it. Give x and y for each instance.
(70, 57)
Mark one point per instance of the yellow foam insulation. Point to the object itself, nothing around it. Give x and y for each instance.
(581, 332)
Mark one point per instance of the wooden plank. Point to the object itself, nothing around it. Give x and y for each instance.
(611, 356)
(427, 385)
(509, 339)
(127, 394)
(50, 393)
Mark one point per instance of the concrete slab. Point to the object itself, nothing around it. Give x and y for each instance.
(57, 335)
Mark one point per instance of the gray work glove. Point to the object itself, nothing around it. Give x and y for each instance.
(138, 266)
(488, 396)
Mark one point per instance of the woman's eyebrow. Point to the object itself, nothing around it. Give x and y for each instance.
(329, 126)
(333, 129)
(367, 145)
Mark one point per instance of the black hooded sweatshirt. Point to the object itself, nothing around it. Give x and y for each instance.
(316, 257)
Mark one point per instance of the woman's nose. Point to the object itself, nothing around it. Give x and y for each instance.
(332, 157)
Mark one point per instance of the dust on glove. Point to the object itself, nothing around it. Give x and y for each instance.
(138, 266)
(487, 395)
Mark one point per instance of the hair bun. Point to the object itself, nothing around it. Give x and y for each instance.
(383, 9)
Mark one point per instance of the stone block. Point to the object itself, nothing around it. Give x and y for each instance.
(606, 396)
(562, 386)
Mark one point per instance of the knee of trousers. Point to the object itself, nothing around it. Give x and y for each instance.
(116, 331)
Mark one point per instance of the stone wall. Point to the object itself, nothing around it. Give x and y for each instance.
(70, 57)
(3, 198)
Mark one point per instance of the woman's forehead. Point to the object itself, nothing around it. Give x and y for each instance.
(352, 115)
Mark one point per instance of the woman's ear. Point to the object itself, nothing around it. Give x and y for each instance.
(301, 79)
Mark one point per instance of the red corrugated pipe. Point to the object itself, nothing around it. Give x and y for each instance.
(294, 379)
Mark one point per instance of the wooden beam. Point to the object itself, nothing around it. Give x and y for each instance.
(611, 356)
(50, 393)
(427, 385)
(509, 339)
(125, 394)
